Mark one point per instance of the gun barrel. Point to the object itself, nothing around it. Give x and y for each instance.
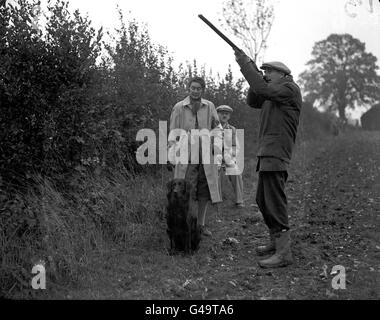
(218, 32)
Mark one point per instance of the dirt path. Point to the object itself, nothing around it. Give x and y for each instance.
(334, 205)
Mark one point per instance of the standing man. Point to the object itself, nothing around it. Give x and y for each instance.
(194, 112)
(280, 101)
(224, 113)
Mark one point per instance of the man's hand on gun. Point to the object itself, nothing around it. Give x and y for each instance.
(241, 57)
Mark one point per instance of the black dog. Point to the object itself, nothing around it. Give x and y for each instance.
(183, 230)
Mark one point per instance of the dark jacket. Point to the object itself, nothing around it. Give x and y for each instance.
(280, 105)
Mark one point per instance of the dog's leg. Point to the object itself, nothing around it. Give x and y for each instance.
(171, 244)
(171, 241)
(186, 242)
(195, 235)
(189, 241)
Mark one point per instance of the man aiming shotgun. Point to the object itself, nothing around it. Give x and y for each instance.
(280, 101)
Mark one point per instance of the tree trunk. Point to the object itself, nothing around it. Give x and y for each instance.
(342, 113)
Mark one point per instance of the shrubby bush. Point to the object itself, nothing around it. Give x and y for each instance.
(47, 76)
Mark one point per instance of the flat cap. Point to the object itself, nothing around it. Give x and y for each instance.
(276, 65)
(224, 108)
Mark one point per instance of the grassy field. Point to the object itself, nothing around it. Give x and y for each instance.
(108, 239)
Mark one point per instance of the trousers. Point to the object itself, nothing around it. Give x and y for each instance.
(271, 199)
(237, 185)
(196, 175)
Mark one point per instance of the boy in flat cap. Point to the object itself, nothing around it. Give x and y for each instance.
(224, 113)
(280, 101)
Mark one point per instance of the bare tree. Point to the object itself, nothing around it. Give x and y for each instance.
(250, 21)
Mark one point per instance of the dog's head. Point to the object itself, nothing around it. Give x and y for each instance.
(179, 188)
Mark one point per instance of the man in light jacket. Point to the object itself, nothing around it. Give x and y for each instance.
(194, 112)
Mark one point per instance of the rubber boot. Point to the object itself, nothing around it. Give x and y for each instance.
(283, 256)
(270, 248)
(206, 232)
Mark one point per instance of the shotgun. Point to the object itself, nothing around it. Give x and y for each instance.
(219, 33)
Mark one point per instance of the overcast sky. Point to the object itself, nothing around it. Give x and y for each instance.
(297, 26)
